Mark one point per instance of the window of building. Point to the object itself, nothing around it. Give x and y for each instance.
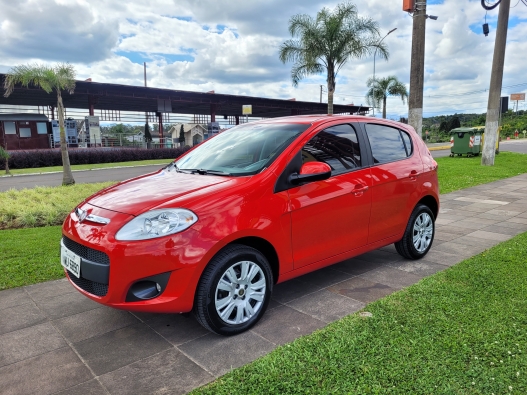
(24, 132)
(337, 146)
(42, 128)
(9, 128)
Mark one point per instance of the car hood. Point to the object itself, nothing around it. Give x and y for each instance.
(140, 194)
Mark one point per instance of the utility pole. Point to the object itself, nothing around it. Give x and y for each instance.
(321, 93)
(415, 101)
(493, 107)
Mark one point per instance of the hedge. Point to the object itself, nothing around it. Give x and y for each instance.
(79, 156)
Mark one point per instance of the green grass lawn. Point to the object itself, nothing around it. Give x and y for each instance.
(42, 206)
(462, 172)
(40, 170)
(461, 331)
(29, 256)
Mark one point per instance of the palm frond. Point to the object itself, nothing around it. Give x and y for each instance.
(60, 77)
(300, 71)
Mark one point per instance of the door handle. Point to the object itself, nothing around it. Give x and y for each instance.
(413, 175)
(359, 189)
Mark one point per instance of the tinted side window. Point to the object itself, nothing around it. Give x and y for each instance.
(387, 144)
(408, 143)
(337, 146)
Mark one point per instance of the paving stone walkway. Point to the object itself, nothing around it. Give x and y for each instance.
(55, 341)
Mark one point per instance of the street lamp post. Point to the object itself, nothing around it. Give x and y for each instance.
(374, 54)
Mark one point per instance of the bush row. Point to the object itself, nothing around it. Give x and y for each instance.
(53, 157)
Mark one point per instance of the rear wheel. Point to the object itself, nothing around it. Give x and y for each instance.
(234, 290)
(418, 235)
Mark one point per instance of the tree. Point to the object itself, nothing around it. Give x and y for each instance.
(58, 78)
(148, 135)
(181, 135)
(381, 88)
(118, 129)
(453, 123)
(443, 126)
(5, 156)
(327, 42)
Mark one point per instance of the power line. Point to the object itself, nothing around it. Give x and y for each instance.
(478, 91)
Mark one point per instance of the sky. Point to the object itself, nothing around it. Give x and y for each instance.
(231, 47)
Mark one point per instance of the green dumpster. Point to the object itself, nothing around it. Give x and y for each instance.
(466, 141)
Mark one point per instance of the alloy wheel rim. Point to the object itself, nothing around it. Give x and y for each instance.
(240, 293)
(423, 232)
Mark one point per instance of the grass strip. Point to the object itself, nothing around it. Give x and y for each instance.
(461, 331)
(29, 256)
(42, 206)
(51, 169)
(462, 172)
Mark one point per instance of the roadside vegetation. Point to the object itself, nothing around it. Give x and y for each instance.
(42, 206)
(461, 331)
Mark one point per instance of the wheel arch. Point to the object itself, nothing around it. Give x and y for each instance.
(431, 203)
(265, 248)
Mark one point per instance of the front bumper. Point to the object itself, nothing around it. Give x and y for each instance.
(126, 275)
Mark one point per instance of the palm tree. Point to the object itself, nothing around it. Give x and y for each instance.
(327, 42)
(381, 88)
(58, 78)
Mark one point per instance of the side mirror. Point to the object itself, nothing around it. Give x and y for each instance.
(311, 171)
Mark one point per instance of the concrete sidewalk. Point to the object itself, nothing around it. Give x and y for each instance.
(54, 340)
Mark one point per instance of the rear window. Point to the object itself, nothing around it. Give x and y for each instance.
(388, 144)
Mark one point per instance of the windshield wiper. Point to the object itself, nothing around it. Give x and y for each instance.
(205, 171)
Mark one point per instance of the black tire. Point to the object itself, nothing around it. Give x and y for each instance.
(421, 223)
(238, 301)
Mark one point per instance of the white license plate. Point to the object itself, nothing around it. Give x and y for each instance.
(70, 260)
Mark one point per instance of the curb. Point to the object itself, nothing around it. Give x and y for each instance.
(439, 148)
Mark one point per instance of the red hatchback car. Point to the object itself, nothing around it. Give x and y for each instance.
(254, 206)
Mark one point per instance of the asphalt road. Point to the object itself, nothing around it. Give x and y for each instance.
(124, 173)
(81, 177)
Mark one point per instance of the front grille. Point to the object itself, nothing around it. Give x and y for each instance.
(89, 286)
(89, 254)
(86, 252)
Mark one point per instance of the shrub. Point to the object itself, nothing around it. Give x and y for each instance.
(79, 156)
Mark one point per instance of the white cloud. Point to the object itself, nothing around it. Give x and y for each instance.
(231, 46)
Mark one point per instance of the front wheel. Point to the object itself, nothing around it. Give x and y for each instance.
(418, 235)
(234, 290)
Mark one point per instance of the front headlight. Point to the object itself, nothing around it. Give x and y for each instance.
(157, 223)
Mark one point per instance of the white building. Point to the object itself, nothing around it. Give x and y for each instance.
(194, 133)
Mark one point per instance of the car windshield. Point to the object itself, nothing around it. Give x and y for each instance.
(242, 150)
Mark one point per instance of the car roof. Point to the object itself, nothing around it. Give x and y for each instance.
(322, 118)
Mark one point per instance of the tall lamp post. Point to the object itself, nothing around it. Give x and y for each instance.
(374, 54)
